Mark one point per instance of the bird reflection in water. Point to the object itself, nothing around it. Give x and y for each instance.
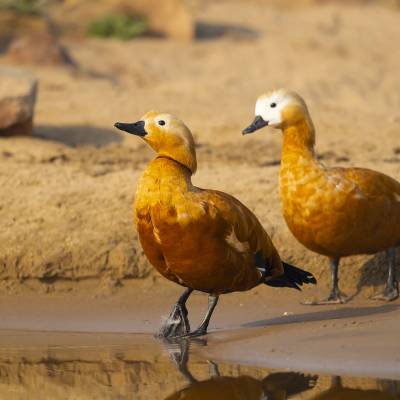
(275, 386)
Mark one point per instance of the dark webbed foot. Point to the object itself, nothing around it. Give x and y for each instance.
(177, 324)
(333, 298)
(202, 329)
(389, 294)
(198, 332)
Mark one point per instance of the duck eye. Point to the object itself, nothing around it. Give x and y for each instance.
(161, 122)
(273, 105)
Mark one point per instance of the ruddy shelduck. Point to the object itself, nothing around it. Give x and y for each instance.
(204, 240)
(336, 212)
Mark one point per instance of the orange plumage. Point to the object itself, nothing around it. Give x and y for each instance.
(336, 212)
(202, 239)
(198, 238)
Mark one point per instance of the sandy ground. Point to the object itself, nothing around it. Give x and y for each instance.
(65, 206)
(67, 192)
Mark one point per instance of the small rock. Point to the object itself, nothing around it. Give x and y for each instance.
(31, 39)
(39, 50)
(17, 100)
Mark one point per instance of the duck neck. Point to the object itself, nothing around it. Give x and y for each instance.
(298, 143)
(170, 174)
(184, 155)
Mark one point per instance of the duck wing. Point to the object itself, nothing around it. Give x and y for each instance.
(241, 229)
(373, 184)
(244, 232)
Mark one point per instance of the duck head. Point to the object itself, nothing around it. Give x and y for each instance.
(167, 135)
(282, 109)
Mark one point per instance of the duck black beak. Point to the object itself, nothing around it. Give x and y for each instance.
(135, 128)
(258, 123)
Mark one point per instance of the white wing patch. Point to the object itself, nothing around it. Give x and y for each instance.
(156, 234)
(233, 241)
(184, 217)
(360, 195)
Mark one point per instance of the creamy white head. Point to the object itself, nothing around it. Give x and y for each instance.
(167, 135)
(270, 109)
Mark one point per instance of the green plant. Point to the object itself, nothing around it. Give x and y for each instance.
(118, 26)
(23, 6)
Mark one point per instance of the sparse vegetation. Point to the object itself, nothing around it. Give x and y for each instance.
(118, 26)
(31, 7)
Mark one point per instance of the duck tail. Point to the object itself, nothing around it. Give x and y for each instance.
(293, 277)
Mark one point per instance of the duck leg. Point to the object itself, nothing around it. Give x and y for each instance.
(177, 324)
(391, 291)
(335, 295)
(202, 329)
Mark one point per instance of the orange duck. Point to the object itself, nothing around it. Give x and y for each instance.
(336, 212)
(203, 240)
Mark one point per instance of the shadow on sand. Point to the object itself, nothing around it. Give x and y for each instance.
(207, 31)
(77, 135)
(342, 313)
(375, 271)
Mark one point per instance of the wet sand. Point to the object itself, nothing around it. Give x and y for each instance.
(358, 339)
(60, 365)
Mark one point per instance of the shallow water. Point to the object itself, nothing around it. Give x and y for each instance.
(118, 366)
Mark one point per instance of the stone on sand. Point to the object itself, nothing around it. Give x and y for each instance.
(41, 50)
(17, 101)
(31, 39)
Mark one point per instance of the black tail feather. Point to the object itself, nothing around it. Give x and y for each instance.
(293, 277)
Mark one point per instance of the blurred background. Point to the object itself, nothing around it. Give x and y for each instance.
(71, 68)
